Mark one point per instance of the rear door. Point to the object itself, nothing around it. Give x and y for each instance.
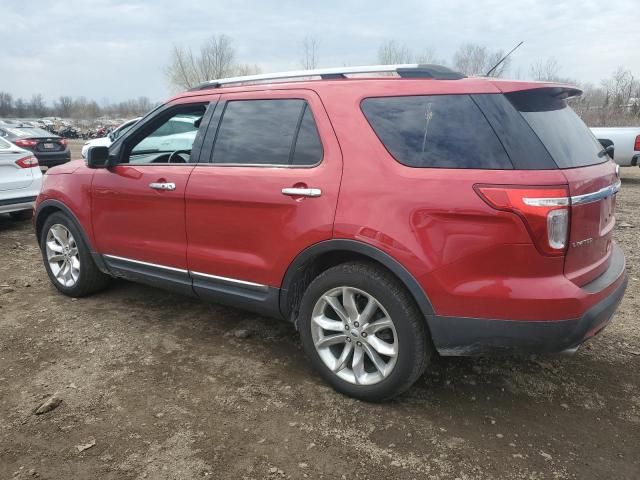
(267, 191)
(13, 176)
(591, 176)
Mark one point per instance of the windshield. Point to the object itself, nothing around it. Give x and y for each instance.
(563, 133)
(28, 132)
(4, 144)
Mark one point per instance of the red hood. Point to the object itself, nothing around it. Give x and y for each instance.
(66, 168)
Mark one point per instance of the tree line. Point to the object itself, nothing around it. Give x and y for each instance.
(614, 101)
(79, 108)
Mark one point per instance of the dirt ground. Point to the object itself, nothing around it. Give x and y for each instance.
(171, 388)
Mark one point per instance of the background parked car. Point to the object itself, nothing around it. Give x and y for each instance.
(20, 180)
(110, 138)
(626, 143)
(49, 149)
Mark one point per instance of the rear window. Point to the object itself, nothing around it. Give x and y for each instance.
(438, 131)
(28, 132)
(563, 133)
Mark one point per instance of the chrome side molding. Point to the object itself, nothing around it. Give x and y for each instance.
(201, 275)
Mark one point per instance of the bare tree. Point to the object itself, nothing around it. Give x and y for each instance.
(309, 59)
(216, 59)
(548, 70)
(427, 56)
(63, 106)
(6, 104)
(473, 59)
(36, 106)
(391, 52)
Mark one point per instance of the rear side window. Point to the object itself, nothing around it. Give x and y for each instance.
(267, 132)
(441, 131)
(563, 133)
(307, 149)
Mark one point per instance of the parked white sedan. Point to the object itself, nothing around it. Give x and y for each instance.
(109, 139)
(20, 180)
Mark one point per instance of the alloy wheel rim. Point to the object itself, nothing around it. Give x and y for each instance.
(63, 256)
(354, 336)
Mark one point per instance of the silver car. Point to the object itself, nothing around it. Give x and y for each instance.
(20, 180)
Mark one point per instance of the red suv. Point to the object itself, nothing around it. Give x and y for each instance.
(387, 216)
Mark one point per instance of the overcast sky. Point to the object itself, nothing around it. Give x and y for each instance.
(116, 49)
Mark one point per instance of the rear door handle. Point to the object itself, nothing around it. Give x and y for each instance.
(162, 185)
(302, 192)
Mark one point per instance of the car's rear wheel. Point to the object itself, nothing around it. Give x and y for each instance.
(67, 258)
(363, 331)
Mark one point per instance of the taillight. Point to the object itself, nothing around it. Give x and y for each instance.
(27, 162)
(636, 145)
(545, 211)
(63, 142)
(25, 142)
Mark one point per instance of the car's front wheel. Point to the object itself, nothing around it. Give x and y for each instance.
(67, 258)
(363, 331)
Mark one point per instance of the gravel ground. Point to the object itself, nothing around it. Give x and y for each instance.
(154, 385)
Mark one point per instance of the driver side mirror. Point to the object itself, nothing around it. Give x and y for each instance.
(98, 157)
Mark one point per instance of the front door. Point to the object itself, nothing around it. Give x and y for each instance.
(268, 191)
(138, 205)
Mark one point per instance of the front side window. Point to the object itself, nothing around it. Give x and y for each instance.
(267, 132)
(441, 131)
(171, 141)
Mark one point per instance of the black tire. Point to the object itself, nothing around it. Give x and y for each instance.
(414, 343)
(22, 215)
(90, 279)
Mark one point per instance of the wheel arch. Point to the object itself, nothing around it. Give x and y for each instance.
(51, 206)
(320, 256)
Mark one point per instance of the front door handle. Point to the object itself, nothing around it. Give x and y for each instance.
(302, 192)
(162, 185)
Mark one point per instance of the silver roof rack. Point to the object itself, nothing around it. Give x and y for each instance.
(407, 70)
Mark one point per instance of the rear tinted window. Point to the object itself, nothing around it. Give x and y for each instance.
(267, 132)
(563, 133)
(308, 148)
(29, 132)
(444, 131)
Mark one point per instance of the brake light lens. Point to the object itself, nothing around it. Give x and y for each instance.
(27, 162)
(25, 142)
(63, 142)
(544, 210)
(636, 145)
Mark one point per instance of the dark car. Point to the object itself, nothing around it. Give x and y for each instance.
(49, 149)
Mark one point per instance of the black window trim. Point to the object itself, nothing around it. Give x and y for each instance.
(214, 128)
(151, 120)
(470, 95)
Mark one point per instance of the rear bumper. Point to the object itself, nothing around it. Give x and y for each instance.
(454, 336)
(52, 159)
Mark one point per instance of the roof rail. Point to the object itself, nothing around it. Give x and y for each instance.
(405, 70)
